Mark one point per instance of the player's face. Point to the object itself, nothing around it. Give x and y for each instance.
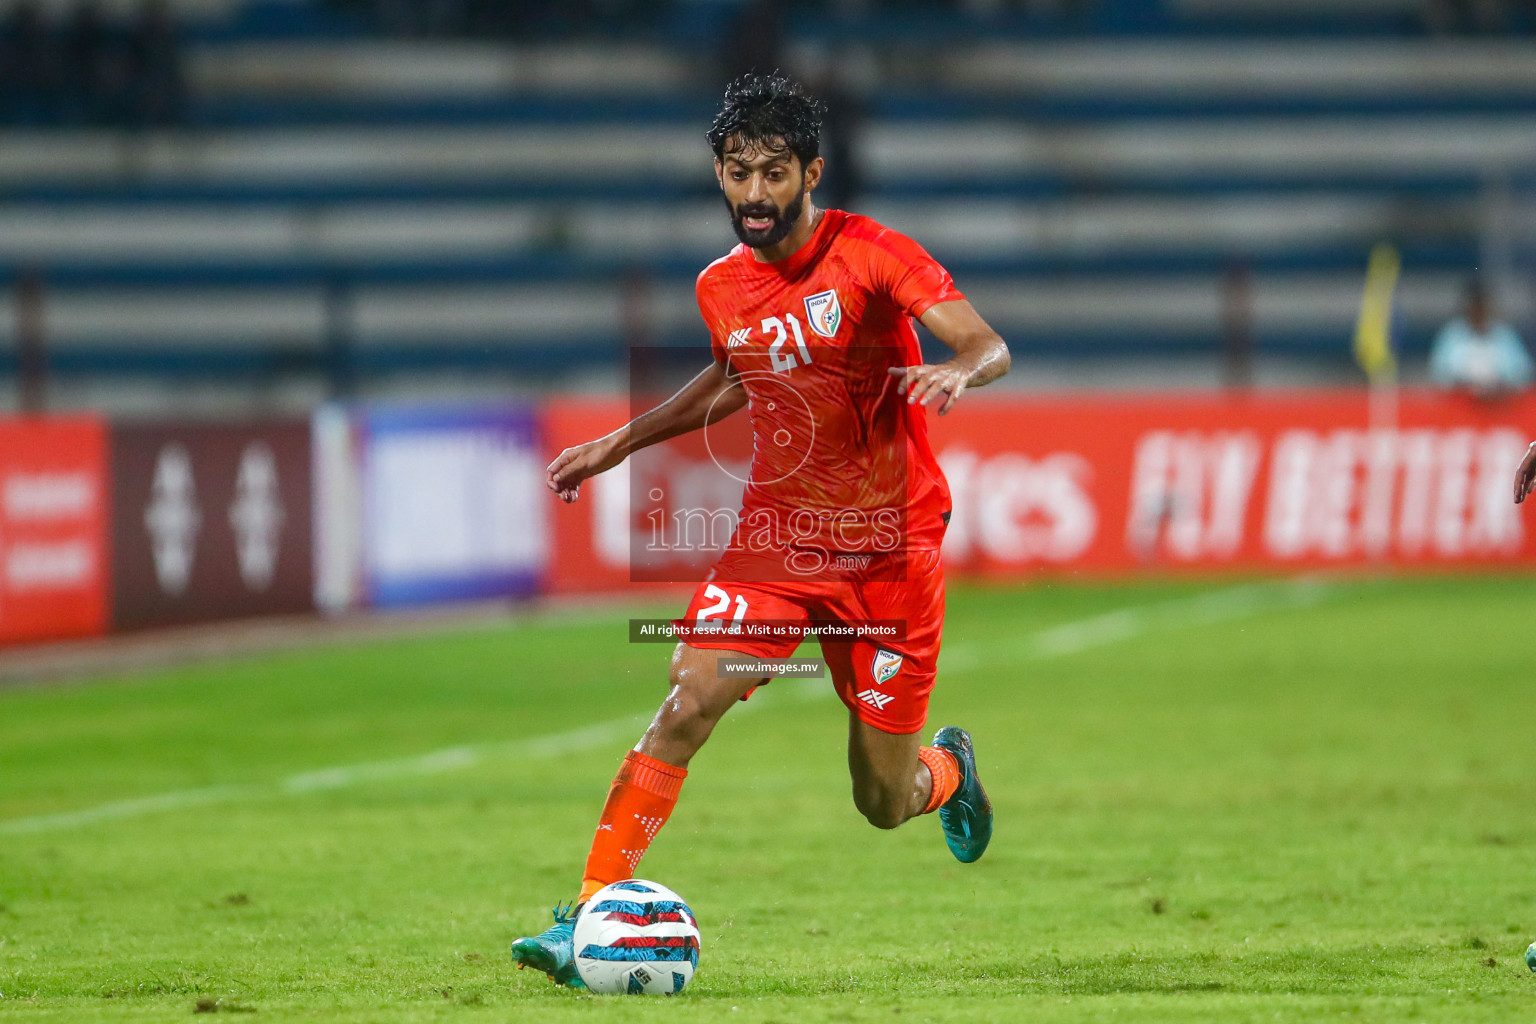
(765, 193)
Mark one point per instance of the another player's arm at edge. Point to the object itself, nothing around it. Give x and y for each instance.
(1525, 475)
(981, 356)
(708, 398)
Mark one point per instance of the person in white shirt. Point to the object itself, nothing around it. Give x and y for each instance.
(1477, 353)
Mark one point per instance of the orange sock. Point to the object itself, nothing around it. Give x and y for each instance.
(946, 776)
(639, 802)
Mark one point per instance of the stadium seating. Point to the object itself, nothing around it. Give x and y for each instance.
(531, 207)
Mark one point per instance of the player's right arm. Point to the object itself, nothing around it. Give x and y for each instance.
(708, 398)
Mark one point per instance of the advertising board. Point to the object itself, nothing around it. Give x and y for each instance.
(210, 521)
(1113, 485)
(53, 528)
(453, 504)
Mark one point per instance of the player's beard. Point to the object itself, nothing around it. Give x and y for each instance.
(783, 220)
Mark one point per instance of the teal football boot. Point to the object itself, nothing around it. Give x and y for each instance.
(552, 951)
(966, 816)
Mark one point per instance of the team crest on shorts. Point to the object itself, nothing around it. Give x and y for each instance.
(886, 665)
(824, 313)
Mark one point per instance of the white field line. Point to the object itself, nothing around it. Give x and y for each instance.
(448, 759)
(1212, 607)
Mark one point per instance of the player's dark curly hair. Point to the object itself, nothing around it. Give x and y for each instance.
(770, 113)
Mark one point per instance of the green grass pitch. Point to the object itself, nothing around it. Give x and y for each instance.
(1216, 802)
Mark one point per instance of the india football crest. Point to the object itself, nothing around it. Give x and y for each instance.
(824, 313)
(885, 666)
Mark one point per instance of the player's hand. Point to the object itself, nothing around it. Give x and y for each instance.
(922, 384)
(1525, 476)
(572, 466)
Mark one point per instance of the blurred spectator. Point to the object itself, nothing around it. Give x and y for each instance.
(29, 67)
(755, 41)
(154, 68)
(88, 69)
(1477, 353)
(422, 18)
(1042, 9)
(524, 21)
(841, 182)
(1484, 16)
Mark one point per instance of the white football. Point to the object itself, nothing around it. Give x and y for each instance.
(636, 938)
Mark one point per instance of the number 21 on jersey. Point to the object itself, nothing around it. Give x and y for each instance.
(784, 362)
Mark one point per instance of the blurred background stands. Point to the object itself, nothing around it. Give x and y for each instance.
(213, 204)
(80, 68)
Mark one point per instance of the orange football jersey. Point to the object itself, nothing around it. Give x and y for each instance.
(840, 461)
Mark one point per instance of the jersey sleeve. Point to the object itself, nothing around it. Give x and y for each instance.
(902, 270)
(704, 294)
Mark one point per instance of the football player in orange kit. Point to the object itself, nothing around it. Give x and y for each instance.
(844, 509)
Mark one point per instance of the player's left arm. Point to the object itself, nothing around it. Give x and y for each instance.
(981, 356)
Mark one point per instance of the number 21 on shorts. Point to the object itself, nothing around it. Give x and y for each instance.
(722, 601)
